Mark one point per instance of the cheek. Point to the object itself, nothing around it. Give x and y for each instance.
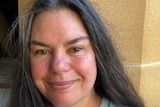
(86, 67)
(88, 72)
(38, 69)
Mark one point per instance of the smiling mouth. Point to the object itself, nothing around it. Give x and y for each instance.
(61, 85)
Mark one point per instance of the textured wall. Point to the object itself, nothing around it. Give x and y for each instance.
(125, 20)
(135, 27)
(150, 73)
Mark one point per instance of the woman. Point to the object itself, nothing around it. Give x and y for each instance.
(68, 60)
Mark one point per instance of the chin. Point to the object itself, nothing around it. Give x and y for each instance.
(63, 101)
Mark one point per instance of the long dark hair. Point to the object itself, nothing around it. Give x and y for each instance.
(111, 83)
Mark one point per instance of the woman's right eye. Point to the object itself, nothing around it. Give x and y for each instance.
(40, 52)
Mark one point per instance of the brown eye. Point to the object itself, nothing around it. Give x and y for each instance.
(76, 49)
(40, 52)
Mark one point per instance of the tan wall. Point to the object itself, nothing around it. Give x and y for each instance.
(136, 31)
(23, 5)
(150, 73)
(135, 28)
(125, 20)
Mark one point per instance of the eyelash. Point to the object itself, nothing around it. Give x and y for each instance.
(75, 49)
(72, 50)
(41, 52)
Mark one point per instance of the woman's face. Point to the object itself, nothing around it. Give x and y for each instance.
(62, 59)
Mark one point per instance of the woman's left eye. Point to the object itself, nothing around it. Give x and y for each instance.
(76, 49)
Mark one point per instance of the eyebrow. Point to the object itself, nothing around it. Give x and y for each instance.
(73, 41)
(70, 42)
(38, 43)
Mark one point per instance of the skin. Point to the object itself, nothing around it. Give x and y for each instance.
(62, 60)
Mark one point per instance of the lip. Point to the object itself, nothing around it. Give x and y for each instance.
(61, 85)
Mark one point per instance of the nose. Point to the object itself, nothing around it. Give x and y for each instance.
(59, 63)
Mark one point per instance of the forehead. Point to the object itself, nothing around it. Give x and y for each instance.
(59, 25)
(62, 16)
(57, 12)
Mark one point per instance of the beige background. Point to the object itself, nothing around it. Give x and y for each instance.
(135, 29)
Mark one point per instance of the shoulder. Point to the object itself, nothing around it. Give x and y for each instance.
(107, 103)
